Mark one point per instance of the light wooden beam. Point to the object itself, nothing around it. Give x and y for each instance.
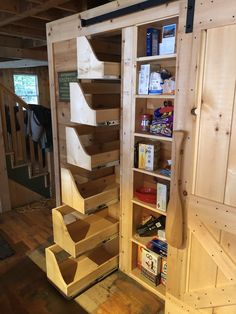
(18, 53)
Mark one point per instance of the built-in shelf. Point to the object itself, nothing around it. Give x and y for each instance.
(72, 275)
(90, 67)
(160, 96)
(159, 290)
(90, 152)
(157, 57)
(148, 206)
(88, 195)
(88, 103)
(155, 173)
(152, 136)
(78, 235)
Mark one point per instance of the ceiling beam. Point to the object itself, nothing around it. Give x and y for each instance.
(23, 32)
(9, 6)
(16, 42)
(18, 53)
(31, 10)
(31, 23)
(51, 15)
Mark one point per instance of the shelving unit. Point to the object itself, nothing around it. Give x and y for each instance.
(93, 229)
(90, 105)
(91, 152)
(88, 195)
(146, 104)
(86, 227)
(90, 67)
(72, 276)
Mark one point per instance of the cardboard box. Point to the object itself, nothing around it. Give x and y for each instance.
(167, 46)
(162, 196)
(143, 82)
(152, 42)
(163, 271)
(151, 266)
(149, 155)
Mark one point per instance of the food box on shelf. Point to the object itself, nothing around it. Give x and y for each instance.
(151, 266)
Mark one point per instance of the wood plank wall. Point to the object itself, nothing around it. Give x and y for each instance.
(6, 78)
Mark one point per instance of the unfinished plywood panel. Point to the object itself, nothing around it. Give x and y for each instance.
(90, 155)
(211, 222)
(80, 235)
(90, 107)
(89, 67)
(216, 112)
(71, 276)
(87, 195)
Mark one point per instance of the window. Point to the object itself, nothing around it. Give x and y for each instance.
(26, 87)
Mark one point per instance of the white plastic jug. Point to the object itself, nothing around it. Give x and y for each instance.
(155, 83)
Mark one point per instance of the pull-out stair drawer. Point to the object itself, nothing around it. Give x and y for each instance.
(92, 151)
(90, 67)
(88, 195)
(71, 276)
(95, 103)
(77, 236)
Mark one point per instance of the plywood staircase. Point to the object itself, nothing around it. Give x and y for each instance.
(26, 162)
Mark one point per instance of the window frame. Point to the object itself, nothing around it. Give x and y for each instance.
(37, 87)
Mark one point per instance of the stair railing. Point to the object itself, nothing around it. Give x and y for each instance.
(17, 143)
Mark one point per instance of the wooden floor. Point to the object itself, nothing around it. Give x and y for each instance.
(24, 287)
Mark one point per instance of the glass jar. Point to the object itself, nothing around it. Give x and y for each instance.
(145, 121)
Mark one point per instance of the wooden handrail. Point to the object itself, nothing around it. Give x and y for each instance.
(16, 141)
(19, 100)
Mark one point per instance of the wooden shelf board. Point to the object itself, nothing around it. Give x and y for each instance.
(158, 57)
(155, 173)
(155, 137)
(159, 290)
(141, 240)
(144, 240)
(160, 96)
(148, 206)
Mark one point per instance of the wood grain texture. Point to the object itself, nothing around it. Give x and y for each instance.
(174, 221)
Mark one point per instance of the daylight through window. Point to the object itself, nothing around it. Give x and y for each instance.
(26, 87)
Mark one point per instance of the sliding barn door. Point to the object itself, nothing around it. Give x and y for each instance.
(205, 268)
(211, 207)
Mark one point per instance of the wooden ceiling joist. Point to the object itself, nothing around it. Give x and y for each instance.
(23, 32)
(33, 9)
(17, 53)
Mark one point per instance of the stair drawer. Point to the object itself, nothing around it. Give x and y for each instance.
(88, 195)
(79, 235)
(71, 276)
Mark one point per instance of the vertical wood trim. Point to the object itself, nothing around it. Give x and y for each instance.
(54, 123)
(5, 202)
(230, 195)
(216, 113)
(129, 44)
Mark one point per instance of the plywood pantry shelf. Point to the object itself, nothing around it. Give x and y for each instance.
(161, 96)
(148, 206)
(95, 103)
(155, 173)
(93, 229)
(72, 275)
(89, 153)
(159, 290)
(154, 137)
(90, 67)
(157, 57)
(88, 195)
